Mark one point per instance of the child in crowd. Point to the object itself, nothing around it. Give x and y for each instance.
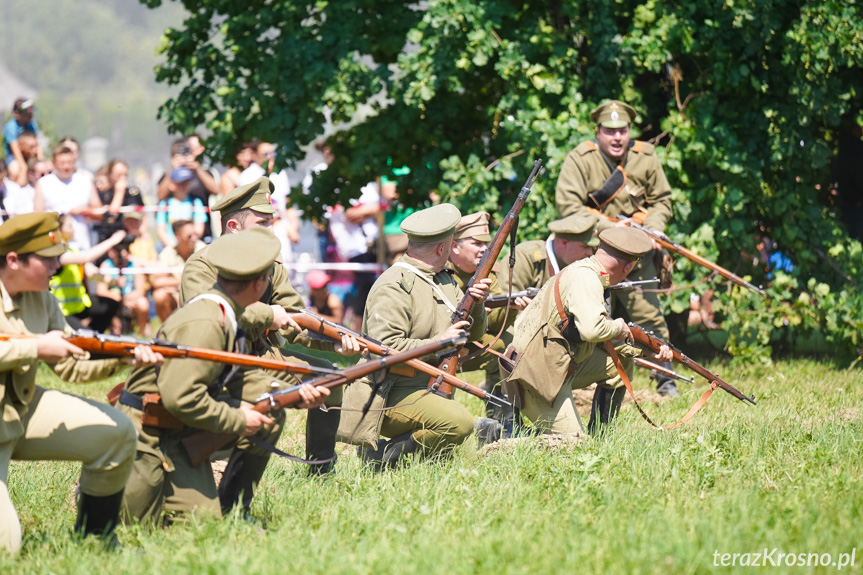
(321, 301)
(129, 291)
(179, 207)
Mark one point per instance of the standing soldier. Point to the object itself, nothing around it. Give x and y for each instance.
(620, 177)
(164, 404)
(267, 325)
(573, 238)
(550, 360)
(409, 305)
(45, 424)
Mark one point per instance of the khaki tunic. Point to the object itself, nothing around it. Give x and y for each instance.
(404, 313)
(496, 319)
(548, 359)
(531, 265)
(586, 170)
(163, 478)
(40, 424)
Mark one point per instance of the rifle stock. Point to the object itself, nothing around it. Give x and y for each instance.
(124, 346)
(316, 324)
(449, 363)
(672, 246)
(653, 343)
(201, 444)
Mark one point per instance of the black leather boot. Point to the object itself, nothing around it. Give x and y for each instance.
(664, 384)
(605, 407)
(389, 453)
(321, 429)
(243, 473)
(487, 430)
(99, 516)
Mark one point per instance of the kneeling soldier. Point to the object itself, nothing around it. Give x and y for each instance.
(408, 306)
(551, 361)
(164, 403)
(38, 423)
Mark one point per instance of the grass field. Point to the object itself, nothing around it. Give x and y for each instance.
(785, 475)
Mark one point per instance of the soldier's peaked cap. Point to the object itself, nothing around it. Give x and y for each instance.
(245, 255)
(254, 196)
(431, 224)
(626, 243)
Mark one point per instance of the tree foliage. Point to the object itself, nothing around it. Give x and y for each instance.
(745, 99)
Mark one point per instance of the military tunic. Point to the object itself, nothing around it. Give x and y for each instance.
(585, 170)
(404, 312)
(531, 265)
(163, 477)
(551, 366)
(45, 424)
(495, 322)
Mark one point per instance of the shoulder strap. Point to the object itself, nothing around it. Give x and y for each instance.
(558, 302)
(434, 287)
(553, 268)
(223, 303)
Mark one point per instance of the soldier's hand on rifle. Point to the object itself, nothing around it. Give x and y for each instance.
(348, 346)
(481, 289)
(521, 302)
(455, 330)
(282, 319)
(665, 354)
(313, 397)
(254, 420)
(146, 357)
(625, 332)
(52, 347)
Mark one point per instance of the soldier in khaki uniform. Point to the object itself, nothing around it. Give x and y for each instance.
(551, 363)
(45, 424)
(164, 478)
(621, 177)
(469, 245)
(573, 238)
(267, 326)
(410, 305)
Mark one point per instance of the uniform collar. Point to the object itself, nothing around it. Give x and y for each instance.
(424, 268)
(238, 310)
(9, 304)
(601, 273)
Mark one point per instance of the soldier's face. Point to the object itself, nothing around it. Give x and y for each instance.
(255, 220)
(574, 251)
(613, 141)
(467, 253)
(37, 271)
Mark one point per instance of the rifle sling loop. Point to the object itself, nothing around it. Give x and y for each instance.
(692, 411)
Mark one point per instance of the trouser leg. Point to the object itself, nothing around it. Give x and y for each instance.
(434, 423)
(600, 369)
(10, 526)
(144, 497)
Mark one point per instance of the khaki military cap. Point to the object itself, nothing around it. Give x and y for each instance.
(431, 224)
(613, 114)
(254, 196)
(473, 226)
(625, 243)
(246, 255)
(35, 233)
(576, 228)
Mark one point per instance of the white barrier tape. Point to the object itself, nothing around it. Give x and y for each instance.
(300, 267)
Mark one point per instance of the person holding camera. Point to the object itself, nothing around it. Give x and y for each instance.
(128, 289)
(188, 153)
(166, 286)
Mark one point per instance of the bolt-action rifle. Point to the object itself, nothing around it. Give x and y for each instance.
(317, 325)
(201, 444)
(655, 367)
(507, 230)
(653, 343)
(672, 246)
(124, 346)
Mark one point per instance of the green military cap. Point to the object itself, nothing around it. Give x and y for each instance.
(473, 226)
(245, 255)
(625, 243)
(576, 228)
(613, 114)
(35, 233)
(431, 224)
(254, 196)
